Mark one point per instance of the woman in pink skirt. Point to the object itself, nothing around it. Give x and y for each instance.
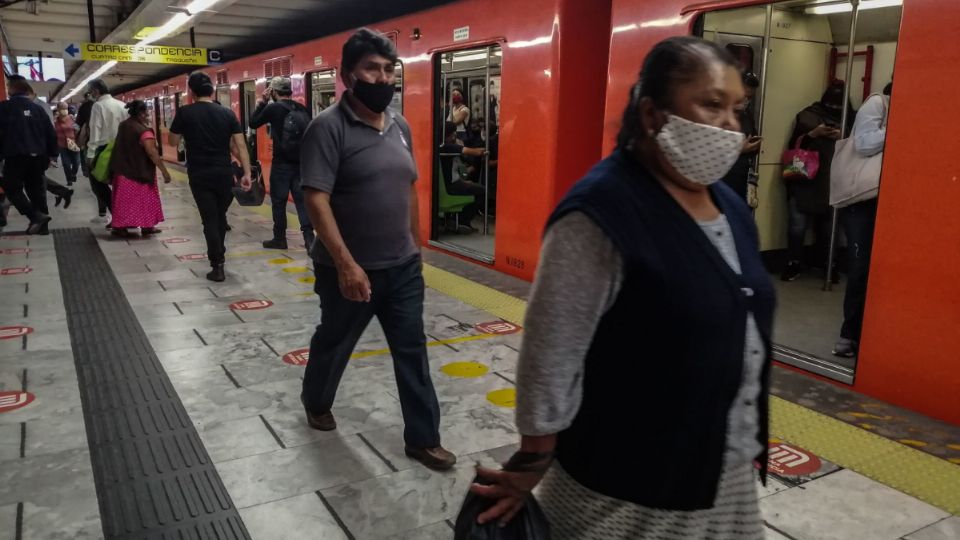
(133, 164)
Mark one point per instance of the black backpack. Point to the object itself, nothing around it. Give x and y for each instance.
(294, 126)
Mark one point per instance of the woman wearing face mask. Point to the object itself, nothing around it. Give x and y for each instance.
(817, 127)
(67, 130)
(133, 167)
(650, 319)
(459, 114)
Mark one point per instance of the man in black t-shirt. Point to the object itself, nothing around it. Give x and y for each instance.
(211, 133)
(273, 108)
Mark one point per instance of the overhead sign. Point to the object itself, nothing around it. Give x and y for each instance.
(150, 54)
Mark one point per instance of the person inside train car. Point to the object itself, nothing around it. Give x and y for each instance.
(817, 128)
(105, 117)
(858, 220)
(451, 153)
(359, 177)
(738, 177)
(61, 192)
(211, 134)
(459, 114)
(647, 258)
(133, 169)
(274, 107)
(28, 145)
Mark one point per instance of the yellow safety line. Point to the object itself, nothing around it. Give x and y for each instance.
(436, 343)
(916, 473)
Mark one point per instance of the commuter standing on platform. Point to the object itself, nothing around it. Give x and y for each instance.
(648, 258)
(211, 133)
(67, 142)
(276, 108)
(28, 144)
(105, 118)
(358, 176)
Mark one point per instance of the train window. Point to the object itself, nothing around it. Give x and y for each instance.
(323, 90)
(167, 110)
(466, 138)
(820, 286)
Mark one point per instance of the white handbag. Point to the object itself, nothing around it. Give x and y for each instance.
(854, 177)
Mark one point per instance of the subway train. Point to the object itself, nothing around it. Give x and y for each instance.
(546, 81)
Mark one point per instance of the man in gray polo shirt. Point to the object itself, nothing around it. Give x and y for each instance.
(358, 172)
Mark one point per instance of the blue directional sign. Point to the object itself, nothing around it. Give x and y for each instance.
(72, 52)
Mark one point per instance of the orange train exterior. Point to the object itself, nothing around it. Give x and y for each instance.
(567, 66)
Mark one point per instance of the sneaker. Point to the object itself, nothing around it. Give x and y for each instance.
(323, 421)
(845, 348)
(276, 243)
(438, 459)
(67, 199)
(791, 272)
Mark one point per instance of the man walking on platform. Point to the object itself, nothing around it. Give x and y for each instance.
(288, 120)
(28, 144)
(105, 118)
(358, 176)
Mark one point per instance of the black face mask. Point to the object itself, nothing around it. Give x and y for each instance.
(374, 96)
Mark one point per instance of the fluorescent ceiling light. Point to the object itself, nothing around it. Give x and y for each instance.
(846, 7)
(95, 75)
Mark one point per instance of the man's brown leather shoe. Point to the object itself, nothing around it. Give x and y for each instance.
(323, 421)
(438, 459)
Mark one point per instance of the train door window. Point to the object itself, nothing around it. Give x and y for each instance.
(223, 95)
(248, 103)
(798, 49)
(465, 161)
(323, 90)
(397, 103)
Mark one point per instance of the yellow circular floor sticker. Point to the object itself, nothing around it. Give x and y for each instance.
(308, 279)
(296, 269)
(465, 370)
(281, 260)
(506, 397)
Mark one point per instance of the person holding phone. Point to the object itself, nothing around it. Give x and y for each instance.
(739, 175)
(808, 201)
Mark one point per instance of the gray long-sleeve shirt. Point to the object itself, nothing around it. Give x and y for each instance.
(578, 280)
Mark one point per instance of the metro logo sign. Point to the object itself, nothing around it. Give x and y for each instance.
(10, 401)
(498, 327)
(11, 332)
(15, 271)
(249, 305)
(192, 257)
(175, 240)
(298, 357)
(787, 460)
(15, 251)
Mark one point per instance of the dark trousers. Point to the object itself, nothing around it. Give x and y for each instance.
(100, 190)
(285, 181)
(798, 223)
(56, 188)
(858, 222)
(70, 161)
(25, 174)
(213, 199)
(465, 187)
(397, 302)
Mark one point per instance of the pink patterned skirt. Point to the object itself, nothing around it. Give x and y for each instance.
(135, 204)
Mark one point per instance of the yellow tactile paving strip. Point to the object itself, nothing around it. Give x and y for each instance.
(921, 475)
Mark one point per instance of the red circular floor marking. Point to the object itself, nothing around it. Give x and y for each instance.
(15, 251)
(192, 257)
(298, 357)
(10, 401)
(790, 460)
(497, 327)
(248, 305)
(10, 332)
(17, 237)
(16, 270)
(175, 240)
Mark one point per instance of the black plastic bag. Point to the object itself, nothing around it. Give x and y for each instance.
(257, 192)
(529, 524)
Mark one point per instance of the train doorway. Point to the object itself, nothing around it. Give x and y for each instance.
(466, 139)
(248, 103)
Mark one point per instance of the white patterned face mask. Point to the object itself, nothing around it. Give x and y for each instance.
(700, 153)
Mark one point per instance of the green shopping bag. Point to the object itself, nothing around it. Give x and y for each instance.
(100, 168)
